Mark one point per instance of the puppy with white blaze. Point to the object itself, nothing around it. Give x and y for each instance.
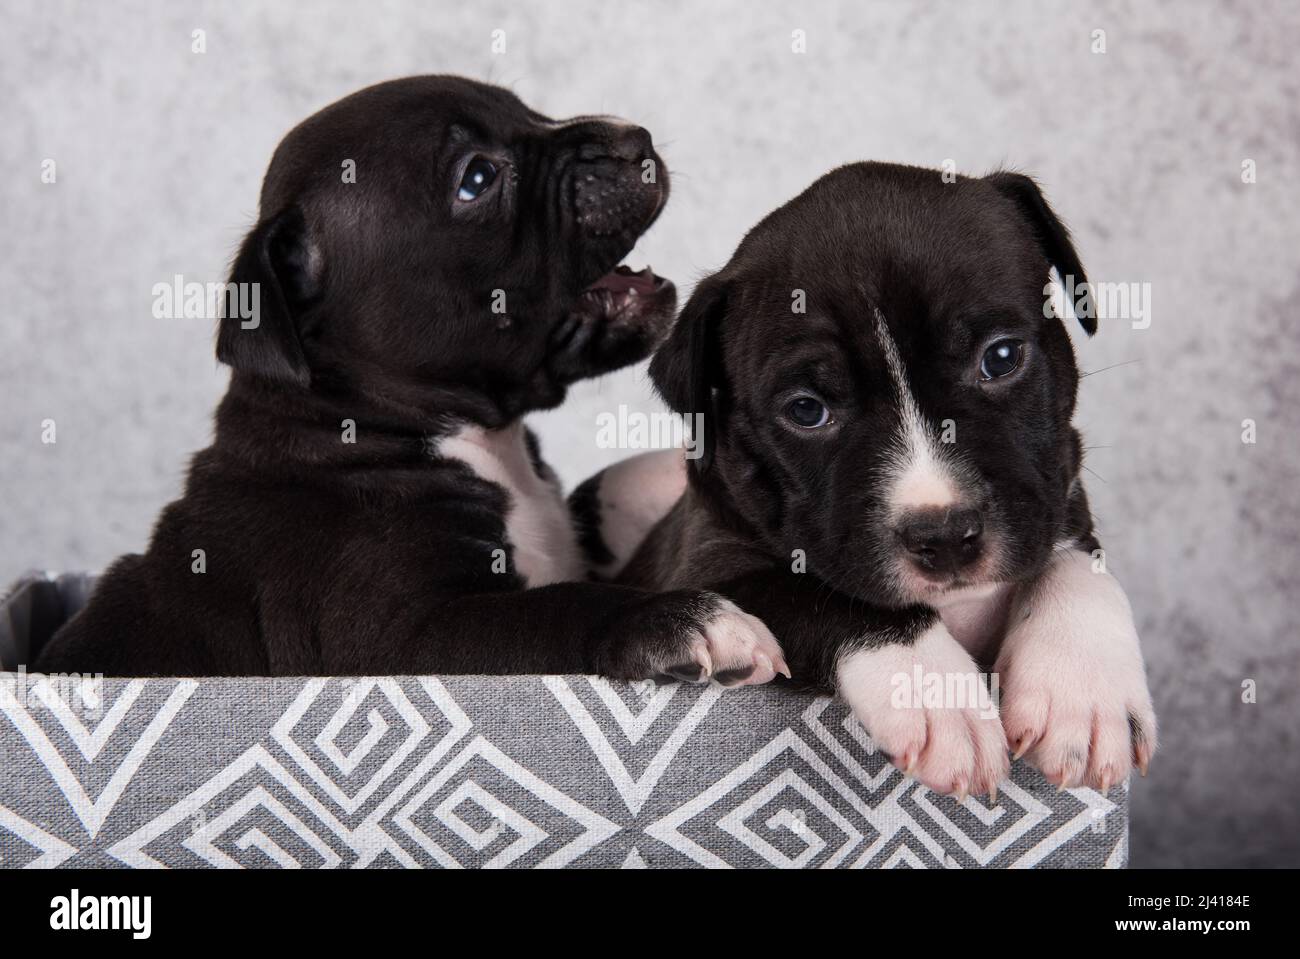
(890, 477)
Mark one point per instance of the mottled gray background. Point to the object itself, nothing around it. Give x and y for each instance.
(160, 152)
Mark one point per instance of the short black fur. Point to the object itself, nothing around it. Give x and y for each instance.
(390, 306)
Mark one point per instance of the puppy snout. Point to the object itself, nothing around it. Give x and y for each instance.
(942, 540)
(632, 143)
(609, 138)
(619, 182)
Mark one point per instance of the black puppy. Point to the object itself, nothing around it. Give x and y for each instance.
(891, 480)
(433, 260)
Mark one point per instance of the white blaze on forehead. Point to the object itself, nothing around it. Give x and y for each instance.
(921, 474)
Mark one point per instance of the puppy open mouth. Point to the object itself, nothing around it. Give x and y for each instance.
(624, 295)
(614, 322)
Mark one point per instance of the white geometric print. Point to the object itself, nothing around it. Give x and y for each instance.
(365, 841)
(1033, 813)
(91, 742)
(378, 820)
(93, 812)
(634, 860)
(634, 791)
(595, 828)
(654, 698)
(903, 858)
(417, 728)
(794, 821)
(812, 717)
(204, 831)
(787, 807)
(462, 771)
(203, 842)
(772, 770)
(53, 850)
(1092, 802)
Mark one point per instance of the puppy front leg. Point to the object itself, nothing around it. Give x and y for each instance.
(614, 631)
(1074, 688)
(913, 687)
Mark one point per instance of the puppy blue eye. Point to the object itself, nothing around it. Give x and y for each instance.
(478, 177)
(807, 413)
(1001, 358)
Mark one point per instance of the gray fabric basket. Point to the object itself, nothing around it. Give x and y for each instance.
(464, 771)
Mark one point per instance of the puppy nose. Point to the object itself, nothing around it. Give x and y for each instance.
(943, 540)
(631, 143)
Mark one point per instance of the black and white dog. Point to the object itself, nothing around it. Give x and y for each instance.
(890, 476)
(434, 259)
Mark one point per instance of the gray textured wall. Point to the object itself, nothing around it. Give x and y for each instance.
(160, 151)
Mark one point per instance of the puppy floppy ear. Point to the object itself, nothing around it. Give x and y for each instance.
(688, 365)
(277, 260)
(1052, 236)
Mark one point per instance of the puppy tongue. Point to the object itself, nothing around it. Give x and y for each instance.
(624, 280)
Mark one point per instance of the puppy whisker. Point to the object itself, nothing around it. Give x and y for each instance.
(1113, 366)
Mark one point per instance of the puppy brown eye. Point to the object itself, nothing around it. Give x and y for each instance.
(478, 177)
(807, 412)
(1001, 358)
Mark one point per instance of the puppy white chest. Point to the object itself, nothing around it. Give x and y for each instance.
(542, 540)
(977, 617)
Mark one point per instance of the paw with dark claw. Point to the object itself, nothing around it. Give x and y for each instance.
(724, 645)
(1074, 691)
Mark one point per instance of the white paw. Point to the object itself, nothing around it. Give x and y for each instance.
(1074, 690)
(732, 648)
(927, 707)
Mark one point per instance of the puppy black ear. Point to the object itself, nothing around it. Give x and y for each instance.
(687, 367)
(283, 275)
(1053, 238)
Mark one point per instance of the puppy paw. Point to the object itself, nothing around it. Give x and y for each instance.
(927, 707)
(1074, 691)
(730, 648)
(703, 637)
